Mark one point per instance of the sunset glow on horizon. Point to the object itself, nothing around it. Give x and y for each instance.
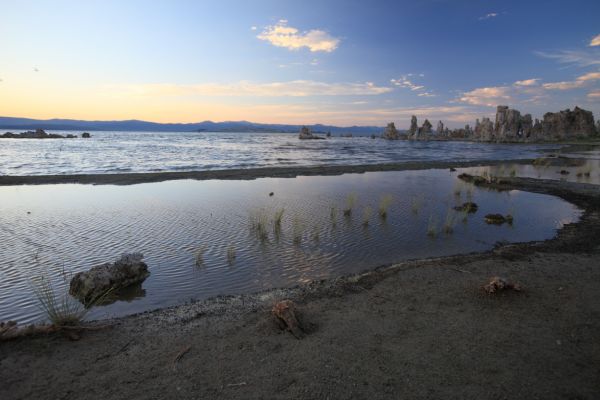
(281, 62)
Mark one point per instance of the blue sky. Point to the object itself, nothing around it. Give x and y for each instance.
(339, 62)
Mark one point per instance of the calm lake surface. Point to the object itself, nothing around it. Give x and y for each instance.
(185, 229)
(117, 152)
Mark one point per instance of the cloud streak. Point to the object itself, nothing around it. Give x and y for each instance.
(282, 35)
(595, 41)
(488, 16)
(297, 88)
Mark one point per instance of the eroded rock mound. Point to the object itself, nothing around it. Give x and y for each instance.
(125, 271)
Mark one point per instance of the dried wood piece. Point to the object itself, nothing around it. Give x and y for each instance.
(285, 312)
(498, 284)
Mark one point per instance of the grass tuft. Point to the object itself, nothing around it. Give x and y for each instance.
(384, 205)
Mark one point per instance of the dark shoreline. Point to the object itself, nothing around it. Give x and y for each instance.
(242, 174)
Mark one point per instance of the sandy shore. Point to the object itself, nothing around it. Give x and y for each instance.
(419, 329)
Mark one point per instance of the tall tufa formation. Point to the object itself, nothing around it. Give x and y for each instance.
(426, 128)
(390, 132)
(568, 124)
(440, 128)
(414, 128)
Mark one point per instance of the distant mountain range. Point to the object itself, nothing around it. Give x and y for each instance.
(145, 126)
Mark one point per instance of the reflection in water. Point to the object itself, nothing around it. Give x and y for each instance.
(198, 239)
(571, 170)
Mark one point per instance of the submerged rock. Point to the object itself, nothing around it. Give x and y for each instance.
(468, 207)
(99, 280)
(498, 219)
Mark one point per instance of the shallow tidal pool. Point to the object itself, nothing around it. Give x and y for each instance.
(205, 238)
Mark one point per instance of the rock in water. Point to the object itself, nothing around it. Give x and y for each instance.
(390, 132)
(95, 283)
(85, 135)
(568, 124)
(440, 128)
(305, 133)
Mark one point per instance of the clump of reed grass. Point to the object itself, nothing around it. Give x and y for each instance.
(449, 223)
(367, 212)
(432, 228)
(297, 231)
(333, 216)
(61, 310)
(350, 202)
(258, 224)
(231, 254)
(199, 256)
(384, 205)
(458, 186)
(416, 204)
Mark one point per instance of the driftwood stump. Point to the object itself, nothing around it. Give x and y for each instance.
(285, 312)
(497, 284)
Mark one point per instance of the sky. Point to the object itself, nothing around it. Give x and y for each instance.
(299, 62)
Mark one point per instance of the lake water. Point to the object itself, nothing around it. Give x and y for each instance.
(186, 229)
(117, 152)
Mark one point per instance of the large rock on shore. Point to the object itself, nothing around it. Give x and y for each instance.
(390, 132)
(127, 270)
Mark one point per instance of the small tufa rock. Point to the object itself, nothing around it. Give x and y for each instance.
(85, 135)
(285, 312)
(127, 270)
(498, 219)
(468, 207)
(498, 284)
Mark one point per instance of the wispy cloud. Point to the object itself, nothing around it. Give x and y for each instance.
(282, 35)
(594, 95)
(527, 82)
(575, 57)
(595, 41)
(405, 82)
(488, 16)
(297, 88)
(486, 96)
(427, 94)
(577, 83)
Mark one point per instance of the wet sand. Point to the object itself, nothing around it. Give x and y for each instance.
(419, 329)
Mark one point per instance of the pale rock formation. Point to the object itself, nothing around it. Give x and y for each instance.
(414, 128)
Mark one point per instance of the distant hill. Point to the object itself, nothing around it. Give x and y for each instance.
(145, 126)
